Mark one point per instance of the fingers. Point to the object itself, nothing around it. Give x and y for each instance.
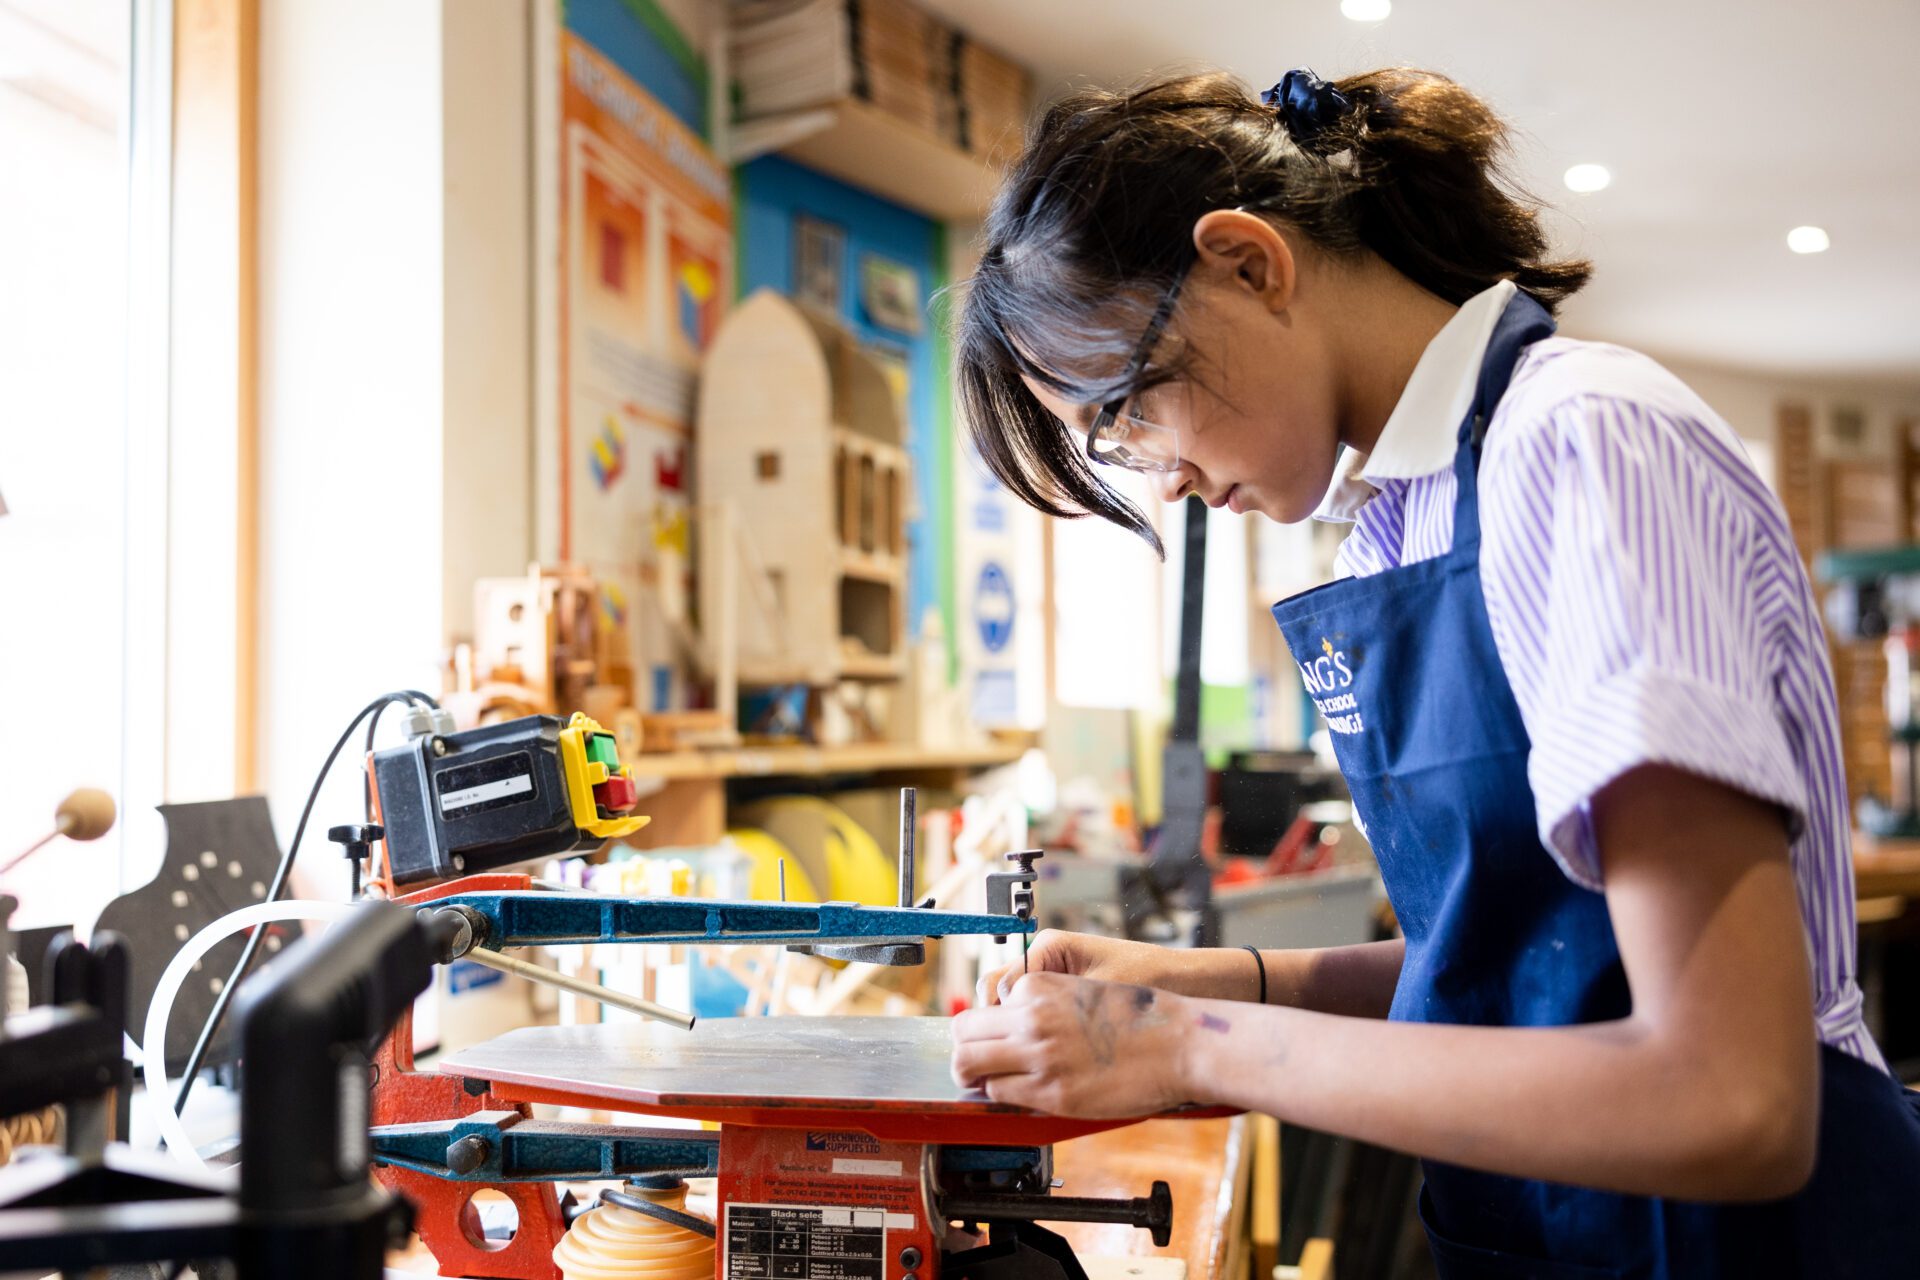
(995, 1023)
(1021, 1090)
(1051, 950)
(978, 1062)
(994, 985)
(1034, 986)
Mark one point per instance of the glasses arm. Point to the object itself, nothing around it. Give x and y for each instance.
(1141, 354)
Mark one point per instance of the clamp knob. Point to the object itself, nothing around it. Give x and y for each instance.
(355, 841)
(1023, 892)
(1010, 893)
(356, 837)
(1026, 858)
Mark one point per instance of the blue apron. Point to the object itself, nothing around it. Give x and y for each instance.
(1403, 666)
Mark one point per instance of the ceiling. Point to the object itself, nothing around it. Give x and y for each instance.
(1724, 125)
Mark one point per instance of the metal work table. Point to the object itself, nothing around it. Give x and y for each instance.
(887, 1076)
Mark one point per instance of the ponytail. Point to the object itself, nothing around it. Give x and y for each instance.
(1429, 195)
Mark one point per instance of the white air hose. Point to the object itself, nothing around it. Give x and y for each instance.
(154, 1041)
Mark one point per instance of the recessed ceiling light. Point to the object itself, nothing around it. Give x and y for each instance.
(1366, 10)
(1808, 240)
(1587, 177)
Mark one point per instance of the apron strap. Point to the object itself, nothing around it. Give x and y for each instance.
(1522, 324)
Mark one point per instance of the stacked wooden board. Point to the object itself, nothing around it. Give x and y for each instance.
(994, 94)
(791, 55)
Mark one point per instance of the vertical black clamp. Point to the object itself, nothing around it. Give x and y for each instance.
(356, 843)
(1010, 893)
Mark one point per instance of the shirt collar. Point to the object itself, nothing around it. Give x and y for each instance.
(1419, 437)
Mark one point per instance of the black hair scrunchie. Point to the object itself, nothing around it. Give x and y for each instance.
(1308, 105)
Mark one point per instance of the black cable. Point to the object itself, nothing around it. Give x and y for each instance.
(366, 779)
(221, 1001)
(366, 799)
(673, 1217)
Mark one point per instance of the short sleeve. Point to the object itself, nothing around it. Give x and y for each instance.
(1623, 581)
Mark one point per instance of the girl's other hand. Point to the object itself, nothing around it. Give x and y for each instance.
(1080, 955)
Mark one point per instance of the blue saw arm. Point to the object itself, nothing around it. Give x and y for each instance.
(533, 918)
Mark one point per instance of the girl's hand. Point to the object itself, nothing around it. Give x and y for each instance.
(1072, 1046)
(1079, 955)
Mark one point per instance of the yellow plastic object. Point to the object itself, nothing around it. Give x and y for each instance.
(824, 836)
(614, 1243)
(584, 774)
(766, 854)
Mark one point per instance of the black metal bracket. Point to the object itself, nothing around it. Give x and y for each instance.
(504, 1146)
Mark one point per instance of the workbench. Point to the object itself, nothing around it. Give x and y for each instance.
(1207, 1163)
(1885, 868)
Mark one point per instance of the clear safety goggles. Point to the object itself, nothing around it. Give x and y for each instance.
(1118, 438)
(1127, 440)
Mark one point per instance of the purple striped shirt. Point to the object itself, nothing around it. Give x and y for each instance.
(1649, 607)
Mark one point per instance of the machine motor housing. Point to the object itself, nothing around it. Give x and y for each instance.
(461, 803)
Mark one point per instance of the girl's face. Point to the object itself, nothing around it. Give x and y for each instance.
(1255, 410)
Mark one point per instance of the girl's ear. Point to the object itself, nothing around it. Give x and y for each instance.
(1247, 251)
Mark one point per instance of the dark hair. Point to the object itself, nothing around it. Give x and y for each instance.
(1094, 222)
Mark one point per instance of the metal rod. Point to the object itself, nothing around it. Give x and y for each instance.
(1148, 1213)
(783, 879)
(580, 986)
(30, 850)
(908, 797)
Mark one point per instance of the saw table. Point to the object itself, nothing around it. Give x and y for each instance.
(844, 1150)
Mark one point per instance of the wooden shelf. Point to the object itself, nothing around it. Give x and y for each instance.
(872, 666)
(865, 146)
(811, 762)
(872, 566)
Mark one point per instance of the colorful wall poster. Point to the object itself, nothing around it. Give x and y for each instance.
(645, 273)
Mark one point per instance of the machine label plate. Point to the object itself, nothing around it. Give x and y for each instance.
(805, 1242)
(485, 784)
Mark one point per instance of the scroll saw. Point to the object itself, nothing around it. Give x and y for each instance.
(843, 1150)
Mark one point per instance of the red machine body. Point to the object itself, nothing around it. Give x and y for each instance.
(444, 1216)
(830, 1204)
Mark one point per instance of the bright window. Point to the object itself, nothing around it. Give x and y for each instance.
(65, 191)
(1223, 623)
(1106, 598)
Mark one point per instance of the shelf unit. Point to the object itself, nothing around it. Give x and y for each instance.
(689, 804)
(858, 143)
(801, 444)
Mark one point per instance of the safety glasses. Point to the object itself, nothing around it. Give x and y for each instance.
(1118, 438)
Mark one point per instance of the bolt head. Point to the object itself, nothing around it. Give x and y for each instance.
(468, 1154)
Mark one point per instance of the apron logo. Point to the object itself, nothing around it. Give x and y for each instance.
(1328, 679)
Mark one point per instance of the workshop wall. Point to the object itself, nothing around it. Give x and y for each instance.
(353, 365)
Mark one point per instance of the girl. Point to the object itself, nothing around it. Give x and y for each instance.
(1573, 669)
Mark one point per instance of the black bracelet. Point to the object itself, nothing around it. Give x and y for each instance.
(1261, 961)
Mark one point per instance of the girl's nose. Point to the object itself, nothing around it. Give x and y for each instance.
(1175, 484)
